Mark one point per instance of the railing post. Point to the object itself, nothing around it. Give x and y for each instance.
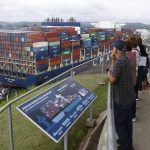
(91, 112)
(10, 128)
(102, 73)
(7, 98)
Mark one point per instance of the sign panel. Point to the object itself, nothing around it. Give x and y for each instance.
(56, 110)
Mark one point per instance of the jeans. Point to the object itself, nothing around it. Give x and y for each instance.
(123, 123)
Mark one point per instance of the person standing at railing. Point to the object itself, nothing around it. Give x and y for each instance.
(145, 66)
(123, 94)
(135, 49)
(132, 58)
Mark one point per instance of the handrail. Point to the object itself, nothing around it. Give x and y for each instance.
(111, 135)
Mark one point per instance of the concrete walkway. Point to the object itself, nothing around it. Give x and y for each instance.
(141, 128)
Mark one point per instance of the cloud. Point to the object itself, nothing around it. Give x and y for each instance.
(83, 10)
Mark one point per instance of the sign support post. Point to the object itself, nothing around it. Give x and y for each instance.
(91, 112)
(66, 141)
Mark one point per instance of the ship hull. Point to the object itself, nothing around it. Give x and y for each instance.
(28, 79)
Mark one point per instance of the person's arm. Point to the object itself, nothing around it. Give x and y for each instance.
(110, 77)
(114, 72)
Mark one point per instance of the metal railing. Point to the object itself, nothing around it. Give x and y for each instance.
(108, 136)
(111, 134)
(13, 128)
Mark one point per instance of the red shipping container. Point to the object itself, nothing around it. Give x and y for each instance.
(72, 32)
(66, 56)
(106, 45)
(76, 51)
(34, 35)
(50, 34)
(55, 61)
(76, 43)
(65, 43)
(94, 53)
(42, 62)
(54, 39)
(36, 39)
(76, 57)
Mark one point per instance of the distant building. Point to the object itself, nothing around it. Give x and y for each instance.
(145, 34)
(108, 24)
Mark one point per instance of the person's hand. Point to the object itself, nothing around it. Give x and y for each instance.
(108, 74)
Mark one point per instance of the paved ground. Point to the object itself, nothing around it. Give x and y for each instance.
(141, 133)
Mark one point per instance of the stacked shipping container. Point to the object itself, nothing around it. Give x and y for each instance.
(35, 52)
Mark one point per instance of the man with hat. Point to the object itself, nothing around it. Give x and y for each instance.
(123, 94)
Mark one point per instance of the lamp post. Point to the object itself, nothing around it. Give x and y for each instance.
(72, 74)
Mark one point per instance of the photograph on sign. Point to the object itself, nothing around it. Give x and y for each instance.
(56, 110)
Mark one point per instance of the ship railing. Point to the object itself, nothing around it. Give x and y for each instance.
(8, 125)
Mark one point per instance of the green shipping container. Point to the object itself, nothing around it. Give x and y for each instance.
(111, 38)
(66, 52)
(92, 34)
(101, 38)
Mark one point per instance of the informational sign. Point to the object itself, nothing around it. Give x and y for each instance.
(142, 61)
(56, 110)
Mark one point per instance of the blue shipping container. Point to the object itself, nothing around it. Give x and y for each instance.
(86, 43)
(94, 46)
(76, 47)
(62, 33)
(54, 53)
(66, 60)
(74, 37)
(55, 47)
(41, 55)
(42, 66)
(88, 51)
(37, 49)
(65, 37)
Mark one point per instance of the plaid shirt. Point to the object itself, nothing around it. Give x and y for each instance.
(122, 89)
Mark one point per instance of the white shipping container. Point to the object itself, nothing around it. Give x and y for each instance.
(77, 28)
(22, 39)
(31, 53)
(85, 35)
(54, 43)
(40, 44)
(9, 55)
(27, 49)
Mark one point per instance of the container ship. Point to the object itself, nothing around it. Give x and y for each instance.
(33, 57)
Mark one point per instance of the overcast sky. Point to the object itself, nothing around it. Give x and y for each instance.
(83, 10)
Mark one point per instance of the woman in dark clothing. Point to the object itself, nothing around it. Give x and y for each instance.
(143, 69)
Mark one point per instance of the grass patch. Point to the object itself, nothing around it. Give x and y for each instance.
(28, 137)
